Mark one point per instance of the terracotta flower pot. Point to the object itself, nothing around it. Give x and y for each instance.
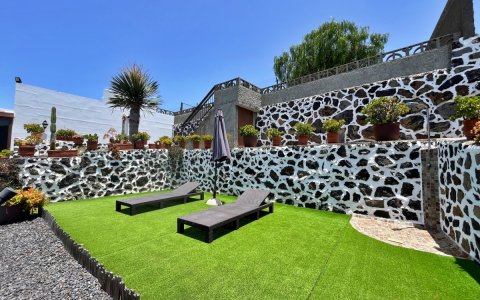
(195, 145)
(152, 146)
(276, 141)
(333, 137)
(160, 146)
(207, 144)
(121, 146)
(182, 144)
(386, 132)
(139, 144)
(62, 153)
(468, 127)
(64, 138)
(92, 145)
(78, 140)
(250, 141)
(302, 139)
(27, 150)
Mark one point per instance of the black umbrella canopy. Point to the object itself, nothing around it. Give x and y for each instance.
(221, 149)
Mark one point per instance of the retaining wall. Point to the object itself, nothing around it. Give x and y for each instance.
(459, 190)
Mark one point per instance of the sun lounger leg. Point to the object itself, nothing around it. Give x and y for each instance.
(237, 224)
(257, 215)
(209, 237)
(180, 227)
(270, 209)
(118, 206)
(202, 196)
(132, 210)
(185, 199)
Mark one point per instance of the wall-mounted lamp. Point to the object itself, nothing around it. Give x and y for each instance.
(18, 79)
(45, 124)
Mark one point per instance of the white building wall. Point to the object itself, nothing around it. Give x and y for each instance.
(84, 115)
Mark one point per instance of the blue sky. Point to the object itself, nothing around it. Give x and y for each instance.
(187, 46)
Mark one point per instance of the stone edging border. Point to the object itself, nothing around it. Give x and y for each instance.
(110, 283)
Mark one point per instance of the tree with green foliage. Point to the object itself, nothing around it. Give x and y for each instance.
(332, 44)
(134, 89)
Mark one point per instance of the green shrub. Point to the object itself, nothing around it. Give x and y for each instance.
(141, 136)
(384, 110)
(303, 128)
(333, 125)
(65, 133)
(9, 174)
(91, 137)
(194, 138)
(467, 108)
(121, 137)
(207, 137)
(179, 138)
(248, 130)
(5, 153)
(165, 140)
(273, 132)
(33, 128)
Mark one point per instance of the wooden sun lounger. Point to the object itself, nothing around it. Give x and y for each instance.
(183, 192)
(251, 202)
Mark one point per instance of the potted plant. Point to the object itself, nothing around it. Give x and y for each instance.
(5, 154)
(303, 132)
(92, 141)
(195, 138)
(34, 129)
(164, 142)
(180, 140)
(275, 135)
(65, 134)
(77, 140)
(476, 132)
(121, 138)
(26, 147)
(140, 139)
(384, 113)
(63, 152)
(332, 128)
(207, 141)
(467, 108)
(250, 135)
(26, 204)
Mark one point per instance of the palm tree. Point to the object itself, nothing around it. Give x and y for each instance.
(134, 89)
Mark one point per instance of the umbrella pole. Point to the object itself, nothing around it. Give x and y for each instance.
(215, 182)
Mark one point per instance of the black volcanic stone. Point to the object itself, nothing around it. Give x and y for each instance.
(85, 161)
(383, 161)
(466, 227)
(301, 174)
(142, 181)
(363, 175)
(337, 194)
(412, 173)
(365, 189)
(472, 76)
(397, 203)
(386, 93)
(287, 171)
(407, 189)
(375, 203)
(57, 168)
(68, 180)
(391, 181)
(342, 151)
(381, 214)
(384, 191)
(415, 204)
(362, 162)
(249, 171)
(274, 176)
(311, 164)
(410, 216)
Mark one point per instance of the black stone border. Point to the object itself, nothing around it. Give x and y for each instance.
(110, 283)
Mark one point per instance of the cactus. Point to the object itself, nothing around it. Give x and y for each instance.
(53, 127)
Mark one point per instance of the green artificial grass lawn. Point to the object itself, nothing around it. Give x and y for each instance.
(294, 253)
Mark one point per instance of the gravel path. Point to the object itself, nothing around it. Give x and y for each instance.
(34, 265)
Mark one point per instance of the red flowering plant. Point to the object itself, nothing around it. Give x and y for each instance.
(31, 199)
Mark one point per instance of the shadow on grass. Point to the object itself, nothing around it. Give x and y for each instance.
(200, 234)
(471, 267)
(152, 207)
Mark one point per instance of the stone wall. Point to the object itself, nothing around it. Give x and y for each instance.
(433, 91)
(97, 174)
(381, 180)
(459, 189)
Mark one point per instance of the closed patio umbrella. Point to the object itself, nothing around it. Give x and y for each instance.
(220, 151)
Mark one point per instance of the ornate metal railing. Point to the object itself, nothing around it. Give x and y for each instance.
(165, 112)
(369, 61)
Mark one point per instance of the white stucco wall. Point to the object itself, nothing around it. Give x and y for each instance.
(84, 115)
